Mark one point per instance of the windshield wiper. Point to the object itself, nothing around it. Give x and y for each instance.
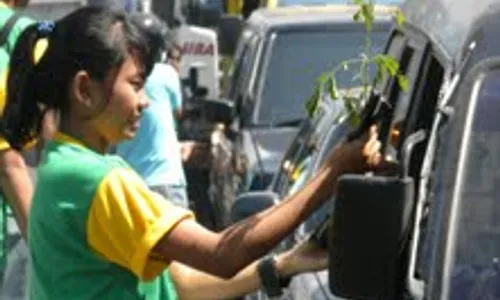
(289, 123)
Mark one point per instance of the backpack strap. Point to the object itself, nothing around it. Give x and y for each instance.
(7, 28)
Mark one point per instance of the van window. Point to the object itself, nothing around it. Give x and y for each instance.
(476, 270)
(421, 116)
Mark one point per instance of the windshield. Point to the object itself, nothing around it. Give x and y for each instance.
(318, 2)
(476, 270)
(296, 60)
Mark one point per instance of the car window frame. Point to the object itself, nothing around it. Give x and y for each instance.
(418, 50)
(235, 70)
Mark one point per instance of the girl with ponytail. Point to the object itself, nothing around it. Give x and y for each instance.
(95, 230)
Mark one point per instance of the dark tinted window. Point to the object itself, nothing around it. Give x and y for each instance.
(476, 271)
(296, 61)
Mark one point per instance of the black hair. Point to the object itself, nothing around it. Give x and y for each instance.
(172, 49)
(155, 30)
(93, 38)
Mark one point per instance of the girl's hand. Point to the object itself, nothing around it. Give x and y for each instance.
(358, 155)
(304, 257)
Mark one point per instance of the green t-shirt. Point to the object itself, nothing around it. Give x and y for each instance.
(93, 226)
(16, 30)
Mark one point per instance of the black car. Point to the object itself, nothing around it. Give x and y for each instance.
(281, 53)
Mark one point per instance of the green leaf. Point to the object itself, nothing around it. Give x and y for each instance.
(345, 66)
(357, 16)
(399, 17)
(390, 64)
(379, 75)
(351, 110)
(332, 88)
(312, 103)
(403, 82)
(358, 2)
(323, 77)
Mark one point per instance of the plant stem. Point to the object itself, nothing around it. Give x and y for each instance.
(367, 51)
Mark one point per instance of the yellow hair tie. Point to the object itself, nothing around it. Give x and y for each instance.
(40, 48)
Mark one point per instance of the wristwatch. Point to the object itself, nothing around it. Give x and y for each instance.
(272, 283)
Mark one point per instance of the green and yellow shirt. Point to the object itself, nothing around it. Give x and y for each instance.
(92, 227)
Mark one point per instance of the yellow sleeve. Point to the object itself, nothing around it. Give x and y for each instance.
(126, 220)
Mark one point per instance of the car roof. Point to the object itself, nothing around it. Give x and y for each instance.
(482, 42)
(271, 18)
(447, 23)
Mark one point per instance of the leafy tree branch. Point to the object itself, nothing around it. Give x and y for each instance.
(384, 64)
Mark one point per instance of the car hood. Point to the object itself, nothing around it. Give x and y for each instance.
(268, 144)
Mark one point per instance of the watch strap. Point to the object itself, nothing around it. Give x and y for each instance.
(272, 284)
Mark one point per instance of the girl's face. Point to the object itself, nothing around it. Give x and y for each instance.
(124, 100)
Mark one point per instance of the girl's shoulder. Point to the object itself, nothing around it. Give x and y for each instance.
(75, 163)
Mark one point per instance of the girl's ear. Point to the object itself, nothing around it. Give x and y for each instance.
(86, 92)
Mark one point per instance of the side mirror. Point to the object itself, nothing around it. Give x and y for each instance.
(213, 111)
(370, 225)
(250, 203)
(228, 33)
(218, 111)
(370, 232)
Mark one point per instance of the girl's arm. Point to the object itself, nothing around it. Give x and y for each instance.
(192, 284)
(16, 185)
(226, 253)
